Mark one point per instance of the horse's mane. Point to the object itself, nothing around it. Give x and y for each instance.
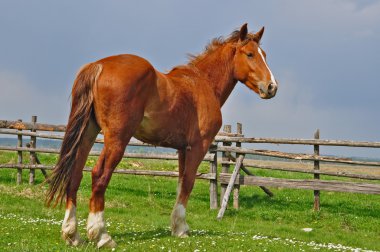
(217, 43)
(211, 47)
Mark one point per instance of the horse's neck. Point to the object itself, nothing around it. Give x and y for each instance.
(217, 68)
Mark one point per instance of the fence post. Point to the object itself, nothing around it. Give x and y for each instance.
(32, 156)
(224, 202)
(214, 182)
(239, 130)
(225, 167)
(316, 176)
(19, 156)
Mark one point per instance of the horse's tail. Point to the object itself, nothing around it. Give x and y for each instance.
(81, 111)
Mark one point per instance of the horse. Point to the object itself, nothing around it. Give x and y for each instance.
(124, 96)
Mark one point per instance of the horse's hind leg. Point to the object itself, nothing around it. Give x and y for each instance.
(70, 225)
(114, 147)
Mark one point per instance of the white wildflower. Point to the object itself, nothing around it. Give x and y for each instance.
(307, 229)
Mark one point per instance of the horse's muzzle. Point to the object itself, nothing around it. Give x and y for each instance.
(269, 90)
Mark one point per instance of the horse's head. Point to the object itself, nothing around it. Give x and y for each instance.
(250, 65)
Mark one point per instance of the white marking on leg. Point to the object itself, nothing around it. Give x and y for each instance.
(95, 225)
(271, 75)
(179, 225)
(96, 230)
(179, 185)
(69, 227)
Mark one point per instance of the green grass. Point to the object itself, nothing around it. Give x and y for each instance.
(138, 210)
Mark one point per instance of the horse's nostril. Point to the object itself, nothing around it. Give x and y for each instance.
(270, 87)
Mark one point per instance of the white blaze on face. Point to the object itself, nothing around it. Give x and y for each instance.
(271, 75)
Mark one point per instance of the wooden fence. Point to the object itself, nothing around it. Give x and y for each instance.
(233, 154)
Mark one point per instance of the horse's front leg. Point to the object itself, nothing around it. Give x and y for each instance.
(192, 158)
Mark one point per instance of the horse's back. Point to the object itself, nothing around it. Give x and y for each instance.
(125, 71)
(126, 64)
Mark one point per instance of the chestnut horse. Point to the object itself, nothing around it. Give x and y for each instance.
(125, 97)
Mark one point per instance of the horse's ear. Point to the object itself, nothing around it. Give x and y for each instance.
(258, 35)
(243, 32)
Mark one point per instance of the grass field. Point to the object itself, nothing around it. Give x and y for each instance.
(138, 210)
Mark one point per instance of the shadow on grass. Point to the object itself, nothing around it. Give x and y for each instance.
(350, 209)
(340, 205)
(162, 191)
(161, 233)
(143, 235)
(277, 203)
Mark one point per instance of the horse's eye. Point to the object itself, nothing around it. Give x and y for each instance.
(250, 55)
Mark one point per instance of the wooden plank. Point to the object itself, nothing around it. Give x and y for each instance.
(309, 184)
(19, 125)
(254, 164)
(230, 185)
(208, 157)
(221, 137)
(236, 190)
(19, 158)
(298, 141)
(60, 137)
(317, 202)
(32, 155)
(266, 190)
(225, 167)
(226, 134)
(214, 182)
(206, 176)
(31, 126)
(298, 156)
(37, 161)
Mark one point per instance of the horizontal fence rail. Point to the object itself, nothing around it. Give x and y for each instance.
(298, 141)
(230, 146)
(255, 164)
(5, 124)
(206, 176)
(208, 157)
(297, 156)
(309, 184)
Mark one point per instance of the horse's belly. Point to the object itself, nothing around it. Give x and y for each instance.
(161, 133)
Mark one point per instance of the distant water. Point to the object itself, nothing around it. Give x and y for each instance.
(56, 144)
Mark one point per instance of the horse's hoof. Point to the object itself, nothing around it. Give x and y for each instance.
(95, 231)
(109, 244)
(72, 240)
(184, 233)
(106, 242)
(178, 223)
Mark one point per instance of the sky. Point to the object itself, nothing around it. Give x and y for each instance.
(324, 54)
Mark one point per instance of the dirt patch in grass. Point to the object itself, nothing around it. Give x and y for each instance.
(28, 192)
